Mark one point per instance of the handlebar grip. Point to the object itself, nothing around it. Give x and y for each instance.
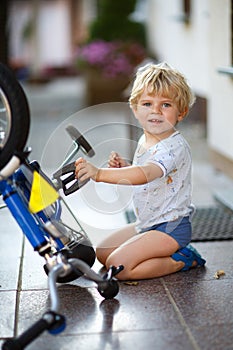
(79, 139)
(50, 321)
(69, 184)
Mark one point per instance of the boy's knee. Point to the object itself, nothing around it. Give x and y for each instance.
(125, 274)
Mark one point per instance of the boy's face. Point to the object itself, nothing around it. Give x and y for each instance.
(157, 114)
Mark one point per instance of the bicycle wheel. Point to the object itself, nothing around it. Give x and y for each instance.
(14, 116)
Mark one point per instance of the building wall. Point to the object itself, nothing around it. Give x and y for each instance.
(185, 46)
(220, 124)
(49, 40)
(198, 49)
(54, 33)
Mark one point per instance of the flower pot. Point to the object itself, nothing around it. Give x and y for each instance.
(100, 89)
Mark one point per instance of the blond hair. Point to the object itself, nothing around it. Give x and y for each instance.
(163, 80)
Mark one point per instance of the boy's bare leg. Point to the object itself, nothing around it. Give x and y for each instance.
(107, 246)
(146, 256)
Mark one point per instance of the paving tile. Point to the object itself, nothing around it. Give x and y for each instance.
(77, 304)
(32, 306)
(218, 254)
(140, 316)
(7, 313)
(153, 339)
(86, 310)
(204, 303)
(10, 250)
(33, 276)
(145, 306)
(217, 337)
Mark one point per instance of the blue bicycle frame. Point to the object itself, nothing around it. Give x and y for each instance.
(29, 224)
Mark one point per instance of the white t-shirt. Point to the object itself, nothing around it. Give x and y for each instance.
(169, 197)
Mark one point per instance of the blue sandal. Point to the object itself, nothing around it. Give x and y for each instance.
(188, 255)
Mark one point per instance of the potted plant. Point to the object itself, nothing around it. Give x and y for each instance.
(108, 67)
(116, 45)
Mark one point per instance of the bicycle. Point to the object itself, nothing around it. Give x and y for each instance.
(35, 203)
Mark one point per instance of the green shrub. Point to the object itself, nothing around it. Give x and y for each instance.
(113, 22)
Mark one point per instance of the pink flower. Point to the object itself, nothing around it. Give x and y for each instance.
(111, 58)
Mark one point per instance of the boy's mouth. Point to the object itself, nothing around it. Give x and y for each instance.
(155, 121)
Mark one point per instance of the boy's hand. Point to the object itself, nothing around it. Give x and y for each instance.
(116, 161)
(85, 170)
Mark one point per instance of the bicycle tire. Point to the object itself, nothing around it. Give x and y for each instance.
(16, 106)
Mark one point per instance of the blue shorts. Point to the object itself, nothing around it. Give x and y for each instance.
(180, 230)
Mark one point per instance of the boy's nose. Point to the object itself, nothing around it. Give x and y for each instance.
(156, 109)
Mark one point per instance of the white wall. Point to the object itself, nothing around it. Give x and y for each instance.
(220, 126)
(50, 43)
(183, 46)
(19, 50)
(198, 50)
(54, 33)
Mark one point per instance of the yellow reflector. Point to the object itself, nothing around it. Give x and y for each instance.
(42, 194)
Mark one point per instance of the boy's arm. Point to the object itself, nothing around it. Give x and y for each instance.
(131, 175)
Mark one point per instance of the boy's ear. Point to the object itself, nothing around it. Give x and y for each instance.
(182, 115)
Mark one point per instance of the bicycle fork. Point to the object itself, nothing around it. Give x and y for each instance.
(51, 320)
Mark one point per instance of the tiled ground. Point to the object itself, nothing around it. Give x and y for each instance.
(186, 310)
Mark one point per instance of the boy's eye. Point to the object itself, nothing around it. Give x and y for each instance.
(166, 105)
(147, 104)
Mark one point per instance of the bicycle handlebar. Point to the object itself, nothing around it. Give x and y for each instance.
(69, 184)
(51, 321)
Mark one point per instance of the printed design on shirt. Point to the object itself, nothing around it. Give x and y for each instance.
(170, 178)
